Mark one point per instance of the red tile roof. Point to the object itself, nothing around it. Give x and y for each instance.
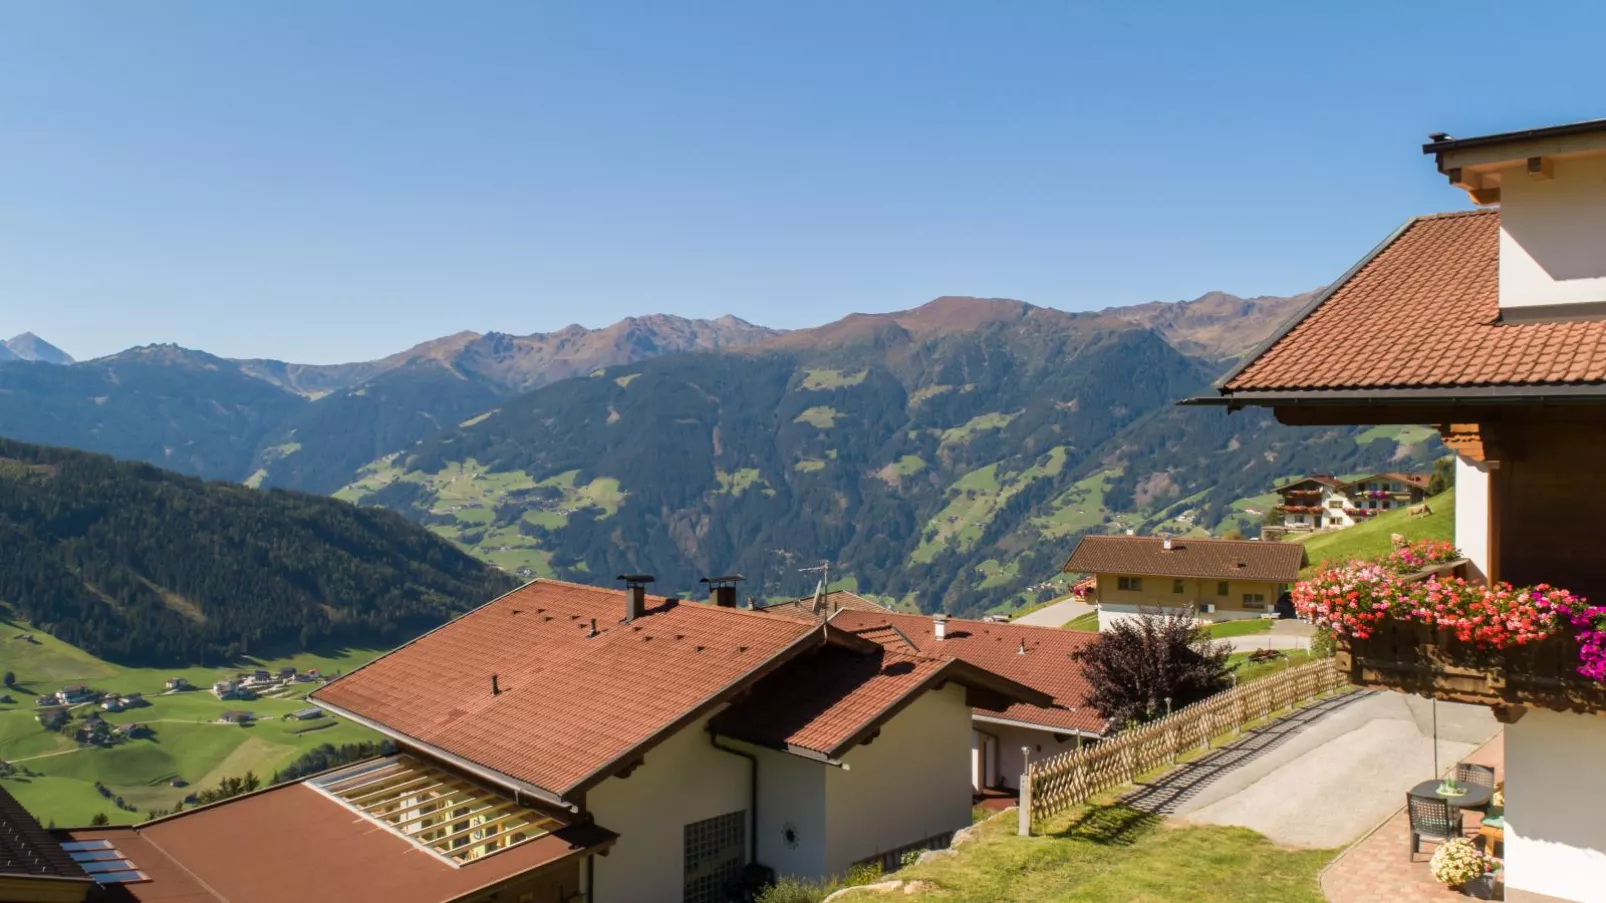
(830, 603)
(1421, 313)
(1207, 559)
(1046, 664)
(572, 707)
(822, 702)
(293, 843)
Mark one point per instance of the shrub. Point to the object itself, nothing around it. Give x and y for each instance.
(1141, 662)
(863, 873)
(787, 889)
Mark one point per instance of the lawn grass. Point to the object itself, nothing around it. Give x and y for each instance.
(1085, 622)
(1248, 670)
(187, 742)
(1108, 852)
(1223, 629)
(1372, 539)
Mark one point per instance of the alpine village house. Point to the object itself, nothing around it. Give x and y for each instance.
(1209, 579)
(1324, 502)
(1497, 326)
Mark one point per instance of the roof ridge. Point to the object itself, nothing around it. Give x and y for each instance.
(1453, 214)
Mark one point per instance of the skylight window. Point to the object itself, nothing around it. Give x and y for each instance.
(435, 809)
(103, 862)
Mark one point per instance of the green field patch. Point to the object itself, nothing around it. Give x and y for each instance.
(809, 465)
(994, 421)
(738, 482)
(974, 499)
(480, 418)
(996, 574)
(624, 381)
(906, 466)
(1078, 508)
(1404, 434)
(926, 393)
(815, 380)
(820, 416)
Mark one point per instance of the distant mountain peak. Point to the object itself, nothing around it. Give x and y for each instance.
(30, 347)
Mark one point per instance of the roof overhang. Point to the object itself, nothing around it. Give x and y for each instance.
(1479, 165)
(1033, 726)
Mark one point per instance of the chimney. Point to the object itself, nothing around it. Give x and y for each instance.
(1166, 544)
(722, 590)
(495, 689)
(939, 626)
(636, 595)
(1022, 649)
(1548, 183)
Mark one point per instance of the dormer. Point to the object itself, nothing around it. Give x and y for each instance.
(1550, 184)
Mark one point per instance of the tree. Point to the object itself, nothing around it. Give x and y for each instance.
(10, 680)
(1233, 533)
(1443, 475)
(1140, 663)
(99, 820)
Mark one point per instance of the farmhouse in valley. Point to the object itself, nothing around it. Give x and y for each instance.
(1213, 579)
(1497, 319)
(1324, 502)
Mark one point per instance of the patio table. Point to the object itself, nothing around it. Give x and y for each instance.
(1474, 797)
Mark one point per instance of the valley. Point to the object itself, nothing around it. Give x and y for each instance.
(56, 777)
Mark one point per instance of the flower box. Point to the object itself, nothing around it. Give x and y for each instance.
(1418, 658)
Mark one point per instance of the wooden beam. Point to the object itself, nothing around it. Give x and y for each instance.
(1541, 168)
(1508, 714)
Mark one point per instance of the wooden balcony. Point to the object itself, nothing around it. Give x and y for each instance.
(1415, 658)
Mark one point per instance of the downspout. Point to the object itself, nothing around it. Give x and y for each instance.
(752, 794)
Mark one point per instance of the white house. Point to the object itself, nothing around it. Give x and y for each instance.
(1325, 502)
(717, 744)
(1496, 326)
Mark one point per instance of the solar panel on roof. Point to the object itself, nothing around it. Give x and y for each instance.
(108, 865)
(127, 877)
(76, 845)
(94, 855)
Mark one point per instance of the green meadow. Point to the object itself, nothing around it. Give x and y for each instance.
(186, 742)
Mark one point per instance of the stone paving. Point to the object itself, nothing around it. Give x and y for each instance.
(1379, 867)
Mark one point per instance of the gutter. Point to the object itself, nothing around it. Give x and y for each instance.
(1007, 722)
(514, 785)
(752, 793)
(1570, 394)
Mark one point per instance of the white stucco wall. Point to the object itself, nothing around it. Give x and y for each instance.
(1040, 744)
(1472, 515)
(791, 791)
(683, 780)
(1551, 231)
(1555, 797)
(912, 782)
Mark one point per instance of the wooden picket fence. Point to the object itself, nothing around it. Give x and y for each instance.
(1052, 785)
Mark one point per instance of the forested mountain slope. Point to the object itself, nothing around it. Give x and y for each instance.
(947, 455)
(146, 567)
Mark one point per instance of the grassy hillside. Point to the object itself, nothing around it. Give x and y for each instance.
(187, 742)
(1373, 538)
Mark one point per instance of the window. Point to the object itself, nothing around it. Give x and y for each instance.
(1336, 503)
(715, 850)
(1176, 586)
(1254, 600)
(1129, 584)
(1221, 588)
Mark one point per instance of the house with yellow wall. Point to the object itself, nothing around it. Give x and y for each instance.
(1214, 579)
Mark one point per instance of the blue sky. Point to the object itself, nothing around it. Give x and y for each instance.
(335, 181)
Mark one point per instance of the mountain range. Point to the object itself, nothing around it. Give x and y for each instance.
(944, 456)
(29, 347)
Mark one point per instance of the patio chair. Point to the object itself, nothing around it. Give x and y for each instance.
(1432, 818)
(1476, 776)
